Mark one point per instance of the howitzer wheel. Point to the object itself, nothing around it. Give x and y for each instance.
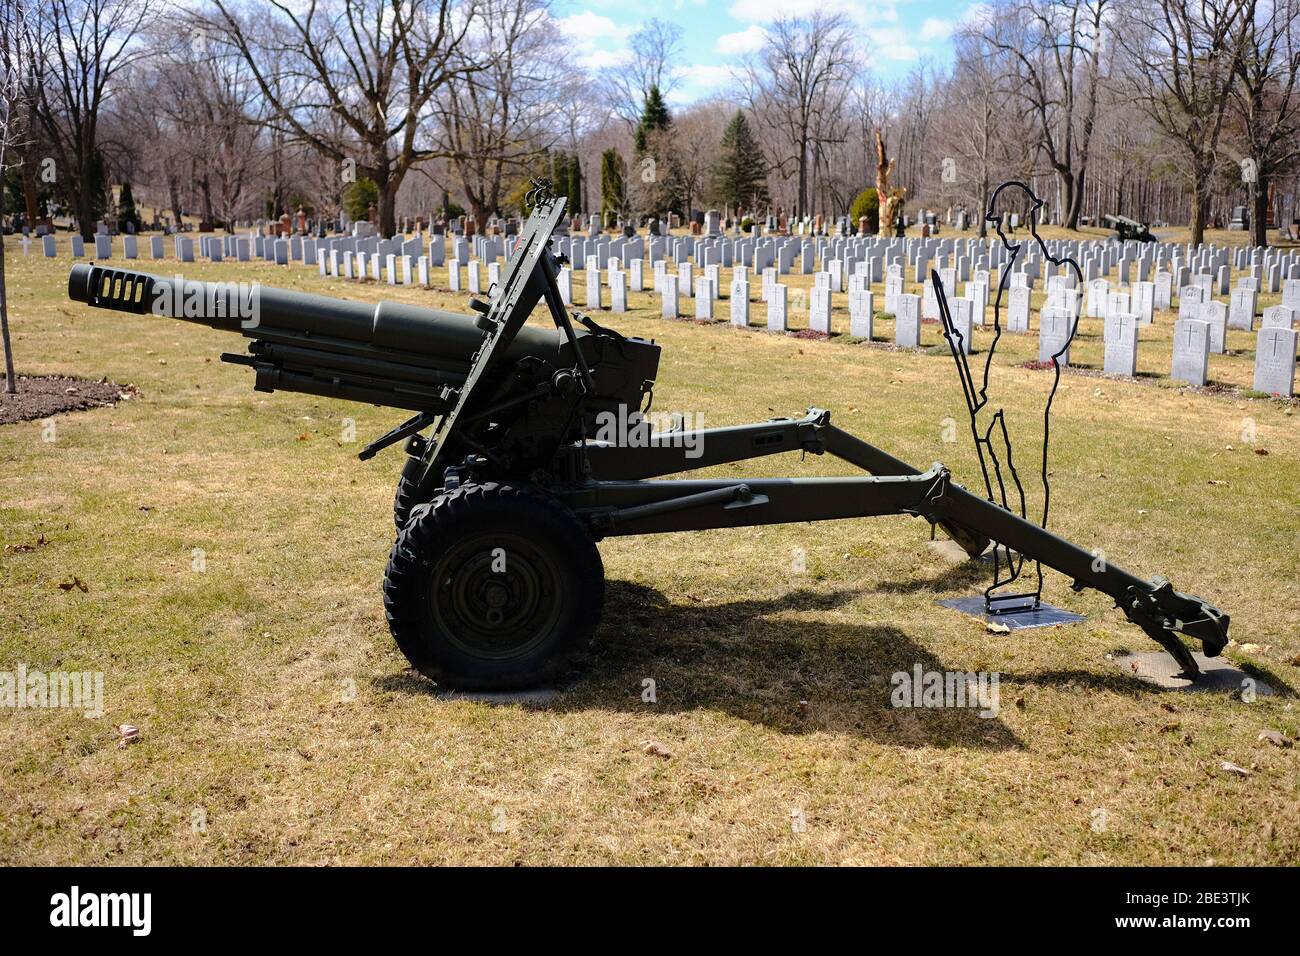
(493, 587)
(411, 491)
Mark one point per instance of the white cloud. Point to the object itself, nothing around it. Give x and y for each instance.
(706, 75)
(598, 41)
(892, 43)
(749, 40)
(764, 11)
(935, 28)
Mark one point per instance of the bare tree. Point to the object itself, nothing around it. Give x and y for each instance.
(1183, 58)
(20, 53)
(654, 49)
(972, 129)
(96, 41)
(1265, 103)
(799, 77)
(498, 121)
(375, 64)
(1056, 59)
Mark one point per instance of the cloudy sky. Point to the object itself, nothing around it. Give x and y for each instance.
(718, 33)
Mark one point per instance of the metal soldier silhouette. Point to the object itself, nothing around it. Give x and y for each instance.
(988, 420)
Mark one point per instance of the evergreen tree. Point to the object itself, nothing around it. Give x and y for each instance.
(127, 214)
(740, 175)
(654, 118)
(613, 189)
(560, 174)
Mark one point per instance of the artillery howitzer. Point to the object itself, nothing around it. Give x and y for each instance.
(495, 580)
(1126, 229)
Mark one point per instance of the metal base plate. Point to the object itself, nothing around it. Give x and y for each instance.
(1042, 616)
(1217, 673)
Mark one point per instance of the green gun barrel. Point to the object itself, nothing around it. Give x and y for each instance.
(388, 353)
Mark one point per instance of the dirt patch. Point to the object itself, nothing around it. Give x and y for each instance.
(40, 396)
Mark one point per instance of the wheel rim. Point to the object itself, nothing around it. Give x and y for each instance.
(496, 596)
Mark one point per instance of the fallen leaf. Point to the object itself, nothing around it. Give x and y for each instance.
(1261, 451)
(655, 749)
(996, 628)
(76, 582)
(1231, 767)
(1215, 481)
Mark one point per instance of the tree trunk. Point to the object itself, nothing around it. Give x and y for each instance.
(174, 194)
(1076, 200)
(803, 179)
(1259, 210)
(11, 382)
(29, 194)
(388, 207)
(1199, 204)
(205, 193)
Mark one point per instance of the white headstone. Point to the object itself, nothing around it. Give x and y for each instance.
(703, 300)
(618, 291)
(1241, 309)
(739, 303)
(1143, 302)
(907, 321)
(1018, 309)
(1191, 351)
(1121, 344)
(963, 322)
(777, 298)
(1279, 317)
(1055, 325)
(819, 308)
(1215, 314)
(668, 295)
(1275, 361)
(1189, 302)
(861, 314)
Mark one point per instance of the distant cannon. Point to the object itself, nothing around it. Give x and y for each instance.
(1126, 229)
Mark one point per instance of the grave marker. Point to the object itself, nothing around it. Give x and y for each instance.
(1191, 357)
(1275, 361)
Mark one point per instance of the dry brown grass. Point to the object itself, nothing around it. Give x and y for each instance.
(271, 698)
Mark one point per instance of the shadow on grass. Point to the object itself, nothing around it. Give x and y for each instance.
(759, 661)
(968, 574)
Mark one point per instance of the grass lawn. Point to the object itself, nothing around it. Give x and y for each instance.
(279, 723)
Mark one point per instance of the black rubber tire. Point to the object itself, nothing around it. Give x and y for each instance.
(411, 491)
(441, 583)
